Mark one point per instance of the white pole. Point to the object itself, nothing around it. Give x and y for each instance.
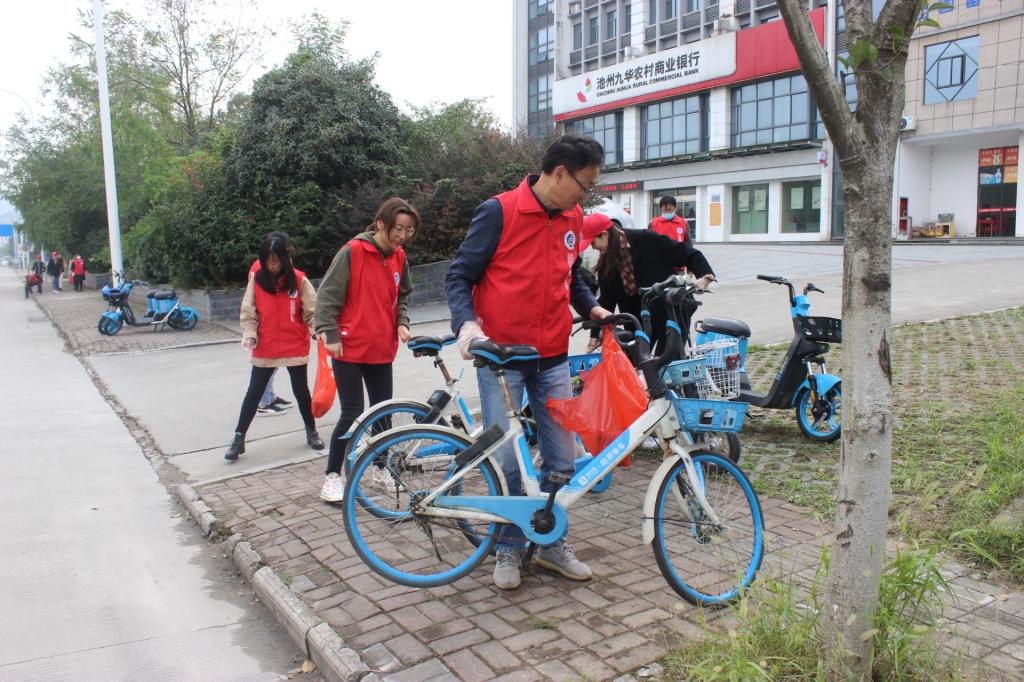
(827, 168)
(113, 221)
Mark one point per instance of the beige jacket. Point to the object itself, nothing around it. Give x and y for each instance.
(250, 321)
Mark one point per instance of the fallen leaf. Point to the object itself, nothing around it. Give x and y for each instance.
(308, 666)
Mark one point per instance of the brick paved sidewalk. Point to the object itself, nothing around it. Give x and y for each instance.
(77, 314)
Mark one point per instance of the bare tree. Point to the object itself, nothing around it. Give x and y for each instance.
(865, 143)
(203, 52)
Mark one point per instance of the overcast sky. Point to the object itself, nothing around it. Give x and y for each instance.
(440, 51)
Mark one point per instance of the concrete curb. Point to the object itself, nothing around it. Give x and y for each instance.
(335, 661)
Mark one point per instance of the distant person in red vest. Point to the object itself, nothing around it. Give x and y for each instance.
(362, 314)
(78, 272)
(276, 320)
(670, 224)
(35, 276)
(512, 281)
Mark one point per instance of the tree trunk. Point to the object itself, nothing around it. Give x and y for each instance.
(858, 549)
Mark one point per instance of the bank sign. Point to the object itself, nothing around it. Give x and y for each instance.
(687, 65)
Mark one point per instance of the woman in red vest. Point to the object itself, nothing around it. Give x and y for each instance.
(276, 319)
(361, 313)
(78, 272)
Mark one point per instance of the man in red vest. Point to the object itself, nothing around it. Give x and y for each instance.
(670, 224)
(512, 281)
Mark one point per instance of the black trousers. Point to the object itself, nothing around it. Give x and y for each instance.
(350, 377)
(258, 383)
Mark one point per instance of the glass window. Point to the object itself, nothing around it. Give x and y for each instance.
(670, 9)
(539, 94)
(801, 206)
(627, 19)
(951, 71)
(541, 45)
(611, 25)
(577, 36)
(592, 35)
(692, 5)
(652, 11)
(673, 128)
(606, 129)
(750, 209)
(539, 7)
(779, 110)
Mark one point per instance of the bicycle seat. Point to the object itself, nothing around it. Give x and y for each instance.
(162, 294)
(490, 353)
(430, 345)
(722, 325)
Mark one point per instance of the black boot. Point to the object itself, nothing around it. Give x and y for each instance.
(237, 447)
(313, 438)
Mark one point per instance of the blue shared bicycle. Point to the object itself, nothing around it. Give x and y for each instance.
(435, 524)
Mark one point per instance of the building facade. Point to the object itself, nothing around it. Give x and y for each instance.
(956, 169)
(703, 100)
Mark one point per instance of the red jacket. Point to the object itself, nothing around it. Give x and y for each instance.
(673, 229)
(282, 331)
(368, 323)
(523, 296)
(77, 266)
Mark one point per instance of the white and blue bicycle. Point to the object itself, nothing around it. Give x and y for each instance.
(436, 524)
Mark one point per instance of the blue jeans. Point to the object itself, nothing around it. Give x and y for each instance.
(268, 393)
(55, 282)
(557, 446)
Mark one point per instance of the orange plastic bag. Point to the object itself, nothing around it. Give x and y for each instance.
(612, 398)
(324, 388)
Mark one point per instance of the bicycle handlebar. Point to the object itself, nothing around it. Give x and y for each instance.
(775, 279)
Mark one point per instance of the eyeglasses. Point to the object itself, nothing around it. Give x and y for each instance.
(409, 231)
(589, 191)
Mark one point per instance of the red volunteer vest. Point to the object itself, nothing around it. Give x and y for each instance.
(77, 266)
(674, 229)
(523, 296)
(282, 332)
(368, 323)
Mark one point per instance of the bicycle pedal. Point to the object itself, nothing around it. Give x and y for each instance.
(558, 478)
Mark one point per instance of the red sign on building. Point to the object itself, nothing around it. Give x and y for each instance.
(617, 187)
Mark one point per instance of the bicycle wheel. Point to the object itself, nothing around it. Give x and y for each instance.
(708, 565)
(403, 546)
(822, 420)
(719, 443)
(381, 419)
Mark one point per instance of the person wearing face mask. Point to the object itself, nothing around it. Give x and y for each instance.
(361, 315)
(670, 224)
(512, 281)
(276, 319)
(633, 259)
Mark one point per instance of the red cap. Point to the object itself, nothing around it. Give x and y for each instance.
(593, 225)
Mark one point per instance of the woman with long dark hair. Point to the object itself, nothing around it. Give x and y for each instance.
(277, 320)
(632, 259)
(361, 313)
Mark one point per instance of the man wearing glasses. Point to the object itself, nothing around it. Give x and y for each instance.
(512, 281)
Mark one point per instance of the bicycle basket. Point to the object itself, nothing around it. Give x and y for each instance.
(683, 372)
(709, 415)
(723, 362)
(581, 363)
(827, 329)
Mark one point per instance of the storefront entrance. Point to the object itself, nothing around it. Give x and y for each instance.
(997, 192)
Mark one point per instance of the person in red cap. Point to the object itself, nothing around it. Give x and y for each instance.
(632, 259)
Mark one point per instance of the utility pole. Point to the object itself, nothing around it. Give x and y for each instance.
(113, 221)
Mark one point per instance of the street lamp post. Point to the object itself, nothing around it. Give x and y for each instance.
(113, 221)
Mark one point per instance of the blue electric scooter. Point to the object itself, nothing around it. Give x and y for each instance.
(162, 307)
(816, 395)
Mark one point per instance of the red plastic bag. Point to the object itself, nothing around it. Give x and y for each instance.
(324, 388)
(613, 397)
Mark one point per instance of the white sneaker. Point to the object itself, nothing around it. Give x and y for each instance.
(383, 479)
(334, 488)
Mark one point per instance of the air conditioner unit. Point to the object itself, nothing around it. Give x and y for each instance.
(907, 123)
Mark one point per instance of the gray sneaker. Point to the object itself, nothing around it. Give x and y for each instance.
(560, 557)
(506, 569)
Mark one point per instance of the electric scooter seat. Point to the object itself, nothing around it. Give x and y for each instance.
(430, 345)
(162, 295)
(723, 325)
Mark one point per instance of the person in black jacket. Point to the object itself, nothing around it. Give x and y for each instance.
(632, 259)
(34, 278)
(55, 268)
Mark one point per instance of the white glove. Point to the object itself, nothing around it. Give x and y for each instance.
(469, 333)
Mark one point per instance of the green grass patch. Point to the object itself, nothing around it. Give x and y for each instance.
(775, 633)
(958, 458)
